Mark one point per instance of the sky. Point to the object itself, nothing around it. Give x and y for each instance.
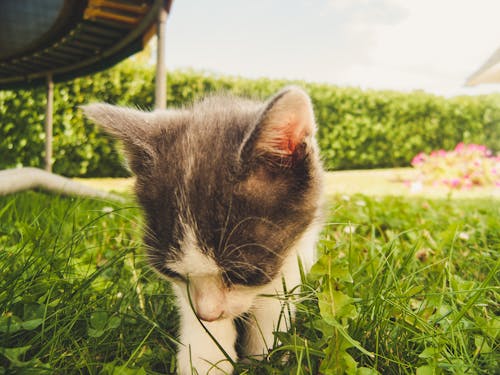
(406, 45)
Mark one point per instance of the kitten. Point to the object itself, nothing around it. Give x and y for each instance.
(231, 192)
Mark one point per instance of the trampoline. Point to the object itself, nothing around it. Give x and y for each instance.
(47, 41)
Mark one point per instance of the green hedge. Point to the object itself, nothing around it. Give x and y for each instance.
(357, 129)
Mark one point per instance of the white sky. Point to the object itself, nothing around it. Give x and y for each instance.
(431, 45)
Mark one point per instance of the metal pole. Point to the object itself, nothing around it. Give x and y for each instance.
(161, 76)
(48, 123)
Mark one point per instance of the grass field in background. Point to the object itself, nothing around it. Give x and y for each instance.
(402, 286)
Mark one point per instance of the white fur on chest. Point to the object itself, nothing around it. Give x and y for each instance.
(198, 349)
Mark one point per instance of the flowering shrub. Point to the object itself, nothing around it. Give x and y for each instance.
(466, 166)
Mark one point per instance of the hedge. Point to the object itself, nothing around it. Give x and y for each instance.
(357, 129)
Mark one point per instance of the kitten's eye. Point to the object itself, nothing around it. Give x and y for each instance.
(171, 274)
(245, 277)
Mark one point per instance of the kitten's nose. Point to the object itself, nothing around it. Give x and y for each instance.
(210, 316)
(209, 298)
(209, 310)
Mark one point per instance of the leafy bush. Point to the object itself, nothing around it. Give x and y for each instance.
(357, 129)
(79, 147)
(466, 166)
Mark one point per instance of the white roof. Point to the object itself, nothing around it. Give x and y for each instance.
(488, 73)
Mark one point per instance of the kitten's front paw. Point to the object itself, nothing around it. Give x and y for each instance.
(213, 364)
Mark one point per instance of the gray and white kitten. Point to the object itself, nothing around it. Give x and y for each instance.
(231, 191)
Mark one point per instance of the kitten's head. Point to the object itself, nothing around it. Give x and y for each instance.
(228, 187)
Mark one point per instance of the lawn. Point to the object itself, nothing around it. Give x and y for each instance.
(402, 286)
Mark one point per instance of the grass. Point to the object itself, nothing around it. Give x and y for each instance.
(401, 286)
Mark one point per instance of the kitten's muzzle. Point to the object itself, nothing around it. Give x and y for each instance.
(209, 298)
(210, 318)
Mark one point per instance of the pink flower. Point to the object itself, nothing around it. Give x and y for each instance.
(460, 147)
(483, 150)
(438, 153)
(419, 159)
(464, 167)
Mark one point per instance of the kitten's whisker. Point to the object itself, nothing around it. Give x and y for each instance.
(339, 223)
(248, 265)
(233, 230)
(224, 228)
(245, 318)
(236, 248)
(244, 221)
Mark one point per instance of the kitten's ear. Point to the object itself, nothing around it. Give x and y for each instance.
(285, 127)
(133, 127)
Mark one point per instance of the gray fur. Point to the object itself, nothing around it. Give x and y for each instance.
(200, 166)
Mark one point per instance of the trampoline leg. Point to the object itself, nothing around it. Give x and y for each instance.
(48, 123)
(161, 77)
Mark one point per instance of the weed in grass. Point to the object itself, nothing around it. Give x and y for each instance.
(400, 287)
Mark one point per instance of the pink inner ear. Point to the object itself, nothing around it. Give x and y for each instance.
(288, 136)
(290, 141)
(287, 124)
